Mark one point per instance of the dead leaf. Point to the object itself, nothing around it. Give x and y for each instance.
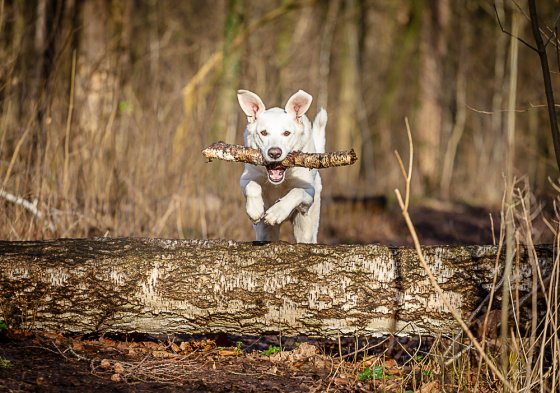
(137, 351)
(151, 345)
(56, 337)
(77, 345)
(341, 381)
(185, 346)
(229, 352)
(305, 350)
(368, 361)
(118, 368)
(105, 364)
(391, 367)
(430, 387)
(106, 341)
(163, 354)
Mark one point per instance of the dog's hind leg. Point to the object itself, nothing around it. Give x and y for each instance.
(306, 226)
(266, 233)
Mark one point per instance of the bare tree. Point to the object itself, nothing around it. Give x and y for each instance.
(541, 51)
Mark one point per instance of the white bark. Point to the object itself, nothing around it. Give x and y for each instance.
(167, 286)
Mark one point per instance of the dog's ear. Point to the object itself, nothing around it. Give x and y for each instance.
(298, 104)
(251, 104)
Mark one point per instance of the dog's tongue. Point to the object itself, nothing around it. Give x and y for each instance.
(276, 174)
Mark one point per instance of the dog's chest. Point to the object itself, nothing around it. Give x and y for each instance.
(295, 178)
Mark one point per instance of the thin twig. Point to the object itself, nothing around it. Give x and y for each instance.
(29, 206)
(510, 34)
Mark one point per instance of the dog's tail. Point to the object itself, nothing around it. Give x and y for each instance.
(319, 125)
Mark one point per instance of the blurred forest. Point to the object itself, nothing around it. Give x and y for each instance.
(105, 105)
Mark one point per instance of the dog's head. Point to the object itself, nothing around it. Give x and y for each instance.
(276, 132)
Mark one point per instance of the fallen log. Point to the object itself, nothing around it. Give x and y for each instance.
(194, 286)
(239, 153)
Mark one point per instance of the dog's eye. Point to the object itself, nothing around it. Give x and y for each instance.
(286, 133)
(264, 132)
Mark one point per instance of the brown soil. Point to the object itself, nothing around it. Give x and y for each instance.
(48, 362)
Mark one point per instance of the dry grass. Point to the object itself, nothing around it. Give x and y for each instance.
(115, 150)
(520, 350)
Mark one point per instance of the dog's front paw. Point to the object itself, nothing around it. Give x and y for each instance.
(277, 213)
(255, 209)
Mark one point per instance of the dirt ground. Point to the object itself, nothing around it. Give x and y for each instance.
(49, 362)
(53, 363)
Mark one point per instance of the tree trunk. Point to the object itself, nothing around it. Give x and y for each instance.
(226, 106)
(429, 122)
(347, 125)
(167, 286)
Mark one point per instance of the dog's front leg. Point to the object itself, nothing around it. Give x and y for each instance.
(300, 198)
(254, 201)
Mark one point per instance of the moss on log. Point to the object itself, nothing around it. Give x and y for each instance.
(193, 286)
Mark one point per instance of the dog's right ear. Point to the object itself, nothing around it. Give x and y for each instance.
(251, 104)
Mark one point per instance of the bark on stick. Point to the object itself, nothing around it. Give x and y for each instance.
(193, 286)
(240, 153)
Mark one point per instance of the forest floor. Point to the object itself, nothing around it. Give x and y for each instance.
(50, 362)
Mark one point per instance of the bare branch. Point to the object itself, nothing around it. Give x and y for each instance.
(553, 33)
(541, 51)
(511, 35)
(238, 153)
(29, 206)
(522, 110)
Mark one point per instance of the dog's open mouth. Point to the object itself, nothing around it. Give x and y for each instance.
(275, 172)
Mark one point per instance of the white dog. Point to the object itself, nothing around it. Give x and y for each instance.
(275, 193)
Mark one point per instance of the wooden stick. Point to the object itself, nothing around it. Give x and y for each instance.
(239, 153)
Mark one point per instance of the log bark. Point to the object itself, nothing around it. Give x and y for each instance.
(195, 286)
(240, 153)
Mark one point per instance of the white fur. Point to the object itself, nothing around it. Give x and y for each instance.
(298, 194)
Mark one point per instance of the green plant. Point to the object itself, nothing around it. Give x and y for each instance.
(375, 372)
(5, 363)
(272, 349)
(3, 325)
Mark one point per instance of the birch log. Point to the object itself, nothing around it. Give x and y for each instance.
(193, 286)
(240, 153)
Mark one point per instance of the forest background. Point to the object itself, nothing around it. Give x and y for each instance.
(106, 105)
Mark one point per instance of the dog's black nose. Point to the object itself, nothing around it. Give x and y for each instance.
(274, 152)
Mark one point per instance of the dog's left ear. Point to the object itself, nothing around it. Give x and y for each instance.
(298, 104)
